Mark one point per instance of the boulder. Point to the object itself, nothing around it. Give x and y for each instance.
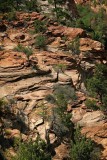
(71, 33)
(92, 119)
(99, 135)
(87, 44)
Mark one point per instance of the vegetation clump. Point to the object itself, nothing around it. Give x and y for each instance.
(83, 148)
(37, 150)
(61, 119)
(40, 42)
(97, 85)
(27, 50)
(91, 104)
(74, 45)
(94, 23)
(39, 26)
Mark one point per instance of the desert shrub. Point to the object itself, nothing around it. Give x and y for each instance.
(91, 104)
(31, 5)
(27, 50)
(5, 6)
(39, 26)
(97, 85)
(67, 92)
(61, 96)
(11, 16)
(9, 5)
(1, 102)
(60, 13)
(84, 148)
(60, 118)
(4, 106)
(32, 150)
(60, 67)
(74, 45)
(94, 23)
(61, 124)
(40, 42)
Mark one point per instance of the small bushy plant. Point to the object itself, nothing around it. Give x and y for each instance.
(60, 118)
(83, 148)
(74, 45)
(94, 23)
(10, 16)
(91, 104)
(31, 5)
(40, 42)
(39, 26)
(32, 151)
(60, 67)
(27, 50)
(97, 85)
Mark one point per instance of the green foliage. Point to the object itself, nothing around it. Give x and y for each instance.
(74, 45)
(65, 93)
(40, 42)
(62, 15)
(61, 119)
(60, 67)
(5, 6)
(60, 12)
(31, 5)
(83, 148)
(94, 23)
(32, 151)
(3, 105)
(56, 1)
(27, 50)
(44, 112)
(61, 124)
(61, 96)
(91, 104)
(11, 16)
(97, 85)
(10, 5)
(39, 26)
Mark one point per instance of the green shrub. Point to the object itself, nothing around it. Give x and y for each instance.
(67, 92)
(31, 5)
(32, 151)
(74, 45)
(97, 85)
(94, 23)
(5, 6)
(91, 104)
(83, 148)
(60, 67)
(60, 118)
(39, 26)
(11, 16)
(40, 42)
(27, 50)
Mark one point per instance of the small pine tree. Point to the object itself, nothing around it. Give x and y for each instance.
(32, 151)
(83, 148)
(97, 85)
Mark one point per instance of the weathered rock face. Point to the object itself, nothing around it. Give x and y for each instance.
(92, 119)
(93, 125)
(99, 134)
(71, 33)
(87, 44)
(26, 81)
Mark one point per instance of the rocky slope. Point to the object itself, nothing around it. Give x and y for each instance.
(25, 82)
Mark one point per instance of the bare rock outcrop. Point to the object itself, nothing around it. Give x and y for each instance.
(25, 81)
